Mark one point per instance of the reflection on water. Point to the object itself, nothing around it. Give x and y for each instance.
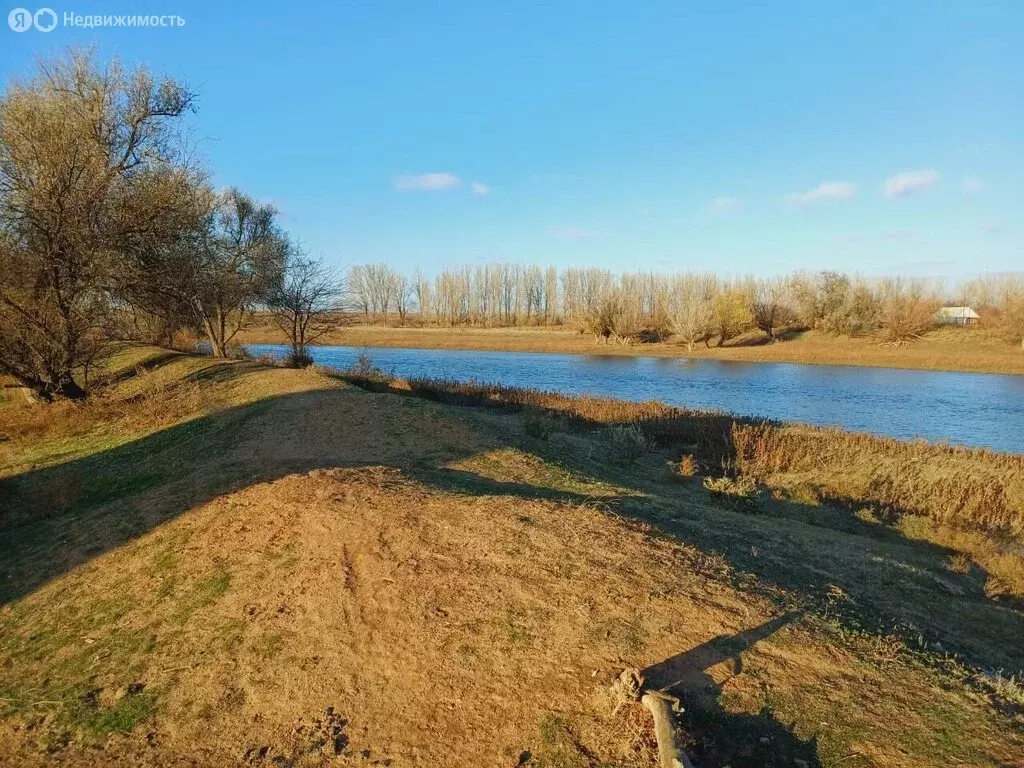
(968, 408)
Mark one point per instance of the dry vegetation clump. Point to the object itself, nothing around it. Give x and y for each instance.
(1007, 690)
(147, 391)
(963, 487)
(686, 468)
(163, 403)
(742, 487)
(629, 441)
(663, 424)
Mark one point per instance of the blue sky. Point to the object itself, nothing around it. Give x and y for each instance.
(740, 137)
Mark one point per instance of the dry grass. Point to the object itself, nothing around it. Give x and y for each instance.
(954, 486)
(312, 574)
(945, 349)
(975, 492)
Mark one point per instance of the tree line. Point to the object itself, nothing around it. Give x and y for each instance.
(693, 307)
(110, 228)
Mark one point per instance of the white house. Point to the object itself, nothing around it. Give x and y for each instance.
(957, 316)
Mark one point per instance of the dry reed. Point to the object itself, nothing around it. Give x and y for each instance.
(964, 487)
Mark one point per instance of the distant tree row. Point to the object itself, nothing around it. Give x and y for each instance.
(110, 228)
(693, 307)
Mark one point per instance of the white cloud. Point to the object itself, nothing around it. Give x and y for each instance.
(428, 181)
(907, 182)
(725, 205)
(827, 190)
(480, 189)
(990, 226)
(575, 233)
(973, 184)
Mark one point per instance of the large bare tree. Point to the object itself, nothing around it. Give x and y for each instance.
(89, 174)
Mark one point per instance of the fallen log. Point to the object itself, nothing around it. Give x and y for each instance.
(661, 705)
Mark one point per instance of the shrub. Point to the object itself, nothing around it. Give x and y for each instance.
(629, 441)
(184, 340)
(740, 493)
(614, 317)
(688, 465)
(741, 487)
(539, 425)
(363, 366)
(906, 320)
(968, 488)
(684, 469)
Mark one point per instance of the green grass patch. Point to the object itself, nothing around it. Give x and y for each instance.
(205, 593)
(124, 715)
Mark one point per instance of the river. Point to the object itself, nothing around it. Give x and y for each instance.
(976, 409)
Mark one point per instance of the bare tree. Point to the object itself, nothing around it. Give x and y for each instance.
(731, 313)
(615, 316)
(533, 288)
(906, 311)
(550, 295)
(403, 295)
(301, 301)
(451, 290)
(89, 161)
(692, 316)
(241, 263)
(767, 305)
(359, 292)
(1013, 318)
(421, 288)
(382, 285)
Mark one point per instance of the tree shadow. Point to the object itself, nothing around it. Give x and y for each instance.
(55, 518)
(865, 578)
(762, 340)
(151, 363)
(228, 370)
(715, 736)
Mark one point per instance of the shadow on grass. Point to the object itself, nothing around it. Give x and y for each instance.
(868, 577)
(762, 340)
(56, 518)
(229, 370)
(719, 737)
(151, 363)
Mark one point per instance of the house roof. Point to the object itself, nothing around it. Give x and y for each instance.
(957, 312)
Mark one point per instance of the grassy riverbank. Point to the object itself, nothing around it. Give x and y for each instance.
(220, 562)
(948, 349)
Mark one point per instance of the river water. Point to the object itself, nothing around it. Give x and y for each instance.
(977, 409)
